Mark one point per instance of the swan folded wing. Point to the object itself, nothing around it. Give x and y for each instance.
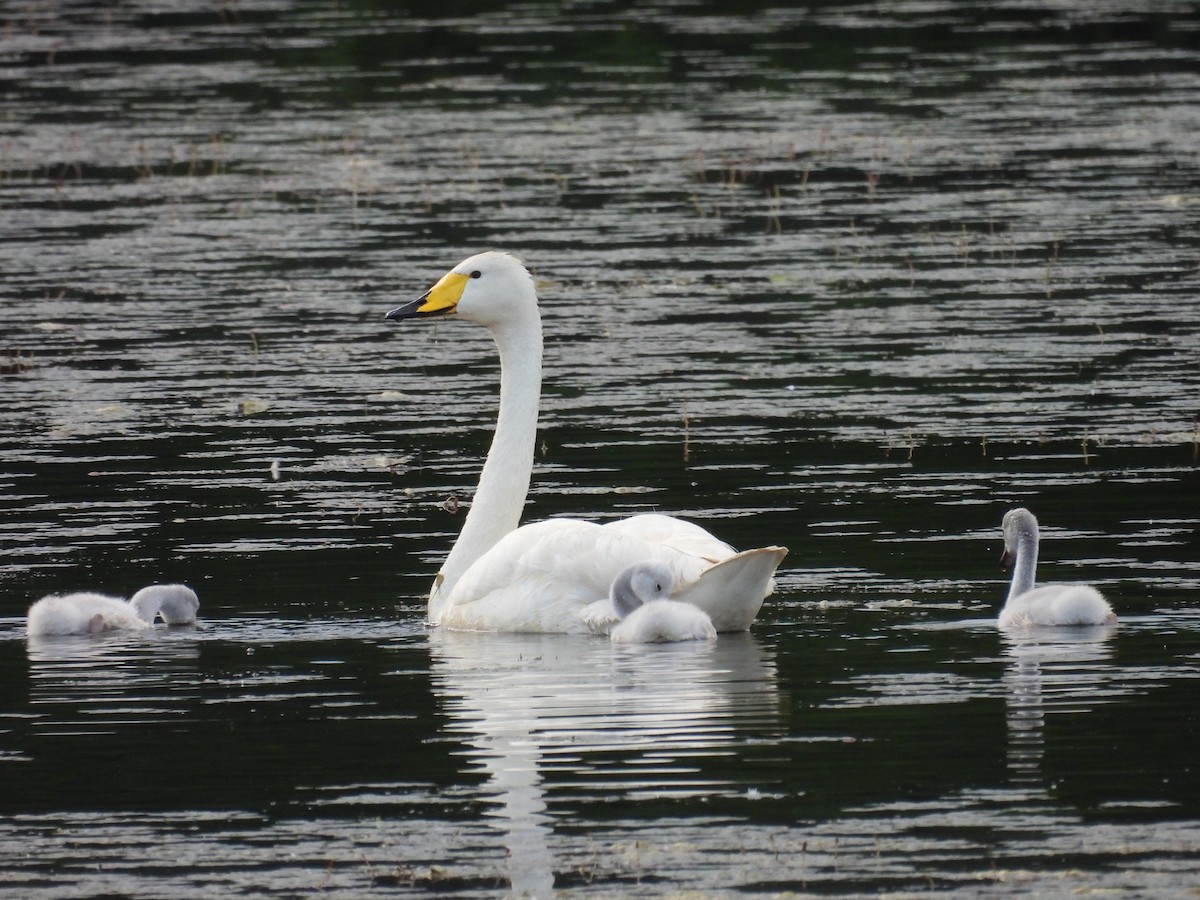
(732, 592)
(542, 576)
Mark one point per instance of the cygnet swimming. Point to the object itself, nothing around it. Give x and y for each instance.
(87, 612)
(1045, 604)
(639, 594)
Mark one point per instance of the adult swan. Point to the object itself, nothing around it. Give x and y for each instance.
(542, 577)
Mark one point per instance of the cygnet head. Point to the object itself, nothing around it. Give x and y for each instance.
(490, 288)
(640, 583)
(1018, 524)
(176, 603)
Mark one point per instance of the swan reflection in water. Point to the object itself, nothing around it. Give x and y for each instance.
(85, 686)
(1064, 669)
(567, 712)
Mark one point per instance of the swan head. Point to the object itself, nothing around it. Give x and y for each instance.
(177, 603)
(488, 288)
(1017, 524)
(640, 583)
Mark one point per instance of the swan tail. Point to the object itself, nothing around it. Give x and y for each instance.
(732, 592)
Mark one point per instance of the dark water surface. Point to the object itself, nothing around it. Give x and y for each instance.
(854, 278)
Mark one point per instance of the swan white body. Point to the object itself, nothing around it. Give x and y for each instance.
(548, 576)
(641, 597)
(91, 613)
(1046, 604)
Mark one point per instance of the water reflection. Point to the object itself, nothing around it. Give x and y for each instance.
(1049, 670)
(94, 684)
(581, 718)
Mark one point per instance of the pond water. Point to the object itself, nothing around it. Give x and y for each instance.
(854, 278)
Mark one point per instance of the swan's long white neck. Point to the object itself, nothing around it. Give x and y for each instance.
(504, 482)
(1025, 567)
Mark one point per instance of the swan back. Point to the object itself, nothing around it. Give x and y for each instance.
(176, 603)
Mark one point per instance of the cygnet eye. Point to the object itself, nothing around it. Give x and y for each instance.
(658, 587)
(476, 274)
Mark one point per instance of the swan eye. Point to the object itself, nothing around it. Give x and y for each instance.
(476, 274)
(658, 587)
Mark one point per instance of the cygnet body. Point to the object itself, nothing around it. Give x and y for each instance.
(86, 612)
(1047, 604)
(82, 613)
(640, 596)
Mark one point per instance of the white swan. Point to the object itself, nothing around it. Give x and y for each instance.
(1046, 604)
(540, 577)
(86, 612)
(641, 597)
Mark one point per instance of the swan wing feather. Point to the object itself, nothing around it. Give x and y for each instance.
(732, 591)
